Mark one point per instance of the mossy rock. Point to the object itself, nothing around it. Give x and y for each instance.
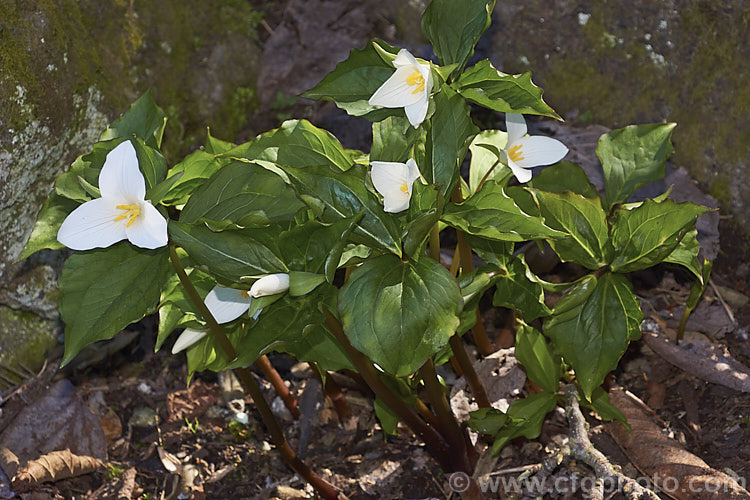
(25, 338)
(617, 63)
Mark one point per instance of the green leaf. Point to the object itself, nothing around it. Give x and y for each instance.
(564, 176)
(648, 234)
(592, 325)
(541, 364)
(152, 165)
(399, 313)
(216, 146)
(175, 305)
(453, 27)
(473, 285)
(103, 291)
(302, 283)
(306, 247)
(699, 286)
(195, 169)
(484, 85)
(342, 195)
(144, 119)
(632, 157)
(335, 255)
(242, 193)
(519, 289)
(497, 253)
(485, 163)
(686, 253)
(317, 345)
(230, 255)
(354, 81)
(600, 404)
(448, 139)
(388, 420)
(487, 421)
(44, 235)
(526, 417)
(287, 320)
(393, 139)
(585, 223)
(296, 143)
(490, 213)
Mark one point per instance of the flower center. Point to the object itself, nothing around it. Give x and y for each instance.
(404, 187)
(245, 294)
(515, 153)
(415, 79)
(131, 213)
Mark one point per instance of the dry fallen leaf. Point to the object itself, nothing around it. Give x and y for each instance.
(676, 471)
(54, 467)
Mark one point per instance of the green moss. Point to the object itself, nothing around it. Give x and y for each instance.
(25, 338)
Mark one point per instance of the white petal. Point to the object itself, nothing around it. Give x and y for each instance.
(186, 339)
(120, 177)
(149, 230)
(270, 285)
(540, 150)
(405, 58)
(227, 304)
(515, 125)
(92, 225)
(395, 92)
(396, 201)
(388, 175)
(416, 112)
(412, 172)
(523, 175)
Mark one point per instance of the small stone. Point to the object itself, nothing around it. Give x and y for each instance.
(144, 416)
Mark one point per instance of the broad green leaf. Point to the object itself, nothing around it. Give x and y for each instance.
(646, 235)
(195, 169)
(418, 228)
(519, 289)
(525, 418)
(491, 214)
(473, 285)
(243, 193)
(448, 139)
(354, 81)
(399, 313)
(453, 27)
(600, 404)
(44, 235)
(306, 247)
(564, 176)
(86, 166)
(103, 291)
(487, 421)
(388, 420)
(342, 195)
(230, 255)
(216, 146)
(632, 157)
(393, 139)
(699, 286)
(497, 253)
(592, 325)
(485, 164)
(152, 165)
(484, 85)
(686, 253)
(335, 255)
(302, 283)
(541, 364)
(317, 345)
(585, 223)
(296, 143)
(287, 320)
(144, 119)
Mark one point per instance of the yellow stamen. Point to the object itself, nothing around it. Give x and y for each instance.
(405, 188)
(131, 211)
(245, 294)
(416, 79)
(515, 153)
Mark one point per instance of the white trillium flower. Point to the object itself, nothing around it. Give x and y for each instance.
(227, 304)
(409, 88)
(522, 153)
(270, 285)
(394, 181)
(121, 213)
(186, 339)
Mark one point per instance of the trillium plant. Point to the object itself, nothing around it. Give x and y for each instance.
(292, 243)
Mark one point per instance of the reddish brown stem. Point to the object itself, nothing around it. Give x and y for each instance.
(325, 489)
(334, 393)
(278, 385)
(467, 367)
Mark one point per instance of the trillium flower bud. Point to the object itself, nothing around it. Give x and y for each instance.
(270, 285)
